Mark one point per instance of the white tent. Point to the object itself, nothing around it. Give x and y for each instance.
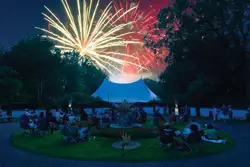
(132, 92)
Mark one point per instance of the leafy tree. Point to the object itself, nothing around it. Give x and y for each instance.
(10, 85)
(80, 77)
(38, 66)
(207, 42)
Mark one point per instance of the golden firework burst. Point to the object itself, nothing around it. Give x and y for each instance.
(91, 35)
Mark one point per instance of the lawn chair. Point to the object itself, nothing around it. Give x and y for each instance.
(191, 142)
(43, 127)
(165, 139)
(71, 135)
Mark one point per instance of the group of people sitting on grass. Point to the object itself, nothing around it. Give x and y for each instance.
(42, 123)
(48, 122)
(192, 134)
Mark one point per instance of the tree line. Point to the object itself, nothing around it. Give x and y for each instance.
(209, 61)
(35, 74)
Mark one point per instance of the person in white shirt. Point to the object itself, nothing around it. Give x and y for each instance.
(214, 112)
(72, 119)
(58, 116)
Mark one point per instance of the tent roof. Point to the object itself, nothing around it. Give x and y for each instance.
(132, 92)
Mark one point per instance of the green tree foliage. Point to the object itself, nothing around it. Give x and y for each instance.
(10, 85)
(207, 40)
(48, 78)
(80, 78)
(38, 68)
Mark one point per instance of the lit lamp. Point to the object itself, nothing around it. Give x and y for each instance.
(70, 103)
(176, 109)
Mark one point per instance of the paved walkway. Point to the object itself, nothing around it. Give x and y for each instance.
(239, 156)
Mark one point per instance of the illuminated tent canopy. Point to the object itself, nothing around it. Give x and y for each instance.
(117, 92)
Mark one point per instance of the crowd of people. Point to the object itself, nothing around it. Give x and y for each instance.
(49, 121)
(221, 113)
(193, 133)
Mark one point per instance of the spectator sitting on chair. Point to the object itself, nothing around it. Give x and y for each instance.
(172, 117)
(42, 122)
(51, 121)
(72, 119)
(194, 135)
(58, 116)
(41, 117)
(106, 118)
(65, 119)
(24, 121)
(83, 115)
(95, 121)
(143, 117)
(194, 122)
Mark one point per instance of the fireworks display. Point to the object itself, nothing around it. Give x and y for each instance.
(92, 35)
(142, 23)
(112, 38)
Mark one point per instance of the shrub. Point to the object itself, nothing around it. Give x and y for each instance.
(116, 132)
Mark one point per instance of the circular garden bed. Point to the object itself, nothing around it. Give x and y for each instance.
(99, 147)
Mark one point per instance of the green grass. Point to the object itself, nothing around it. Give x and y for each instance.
(100, 148)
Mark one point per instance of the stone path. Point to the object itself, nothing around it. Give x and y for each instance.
(239, 156)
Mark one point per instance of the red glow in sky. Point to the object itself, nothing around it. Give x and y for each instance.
(144, 17)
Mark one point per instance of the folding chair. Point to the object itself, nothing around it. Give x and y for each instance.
(191, 142)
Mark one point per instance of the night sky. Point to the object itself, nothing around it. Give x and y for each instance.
(19, 17)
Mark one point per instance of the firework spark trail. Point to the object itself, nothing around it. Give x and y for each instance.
(92, 36)
(142, 23)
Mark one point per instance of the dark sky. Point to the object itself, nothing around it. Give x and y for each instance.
(19, 17)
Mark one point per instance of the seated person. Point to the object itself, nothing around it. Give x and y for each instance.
(194, 122)
(43, 124)
(172, 117)
(210, 135)
(143, 117)
(58, 116)
(51, 121)
(105, 118)
(83, 116)
(185, 117)
(24, 121)
(65, 119)
(95, 121)
(194, 135)
(72, 119)
(41, 117)
(210, 132)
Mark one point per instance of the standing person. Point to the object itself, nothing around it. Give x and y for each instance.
(2, 115)
(230, 112)
(214, 113)
(155, 119)
(218, 114)
(58, 116)
(1, 111)
(9, 114)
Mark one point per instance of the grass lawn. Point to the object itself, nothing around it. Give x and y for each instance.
(100, 148)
